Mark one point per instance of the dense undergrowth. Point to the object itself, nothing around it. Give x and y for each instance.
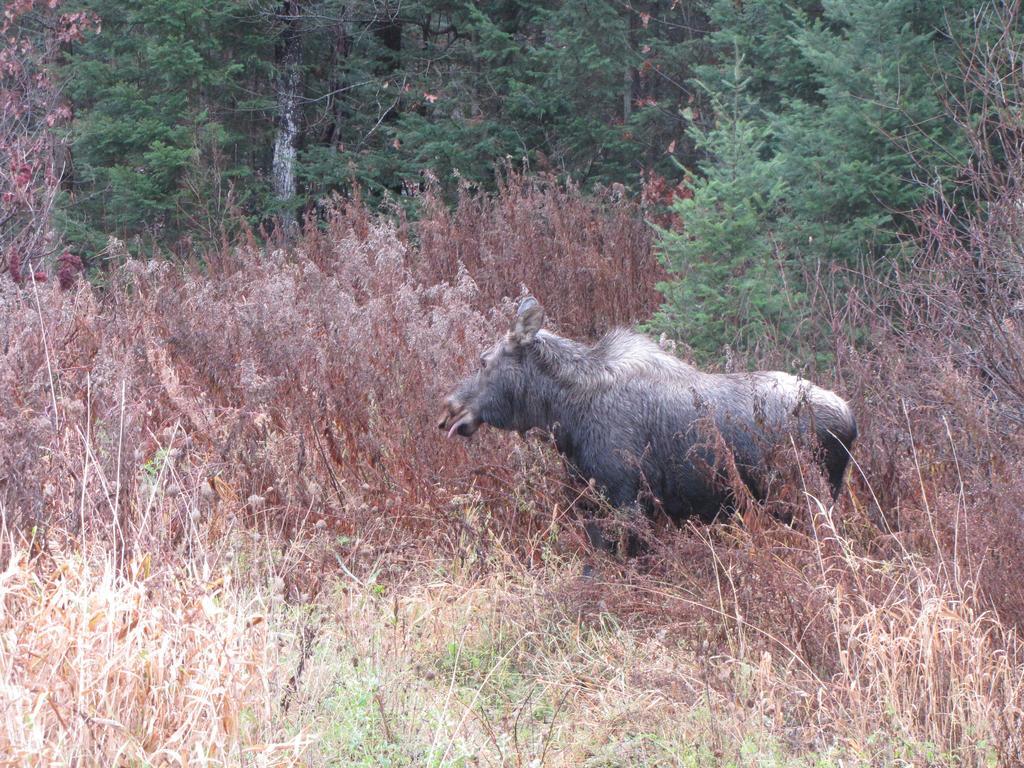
(232, 534)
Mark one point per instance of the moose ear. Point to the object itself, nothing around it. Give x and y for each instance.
(528, 320)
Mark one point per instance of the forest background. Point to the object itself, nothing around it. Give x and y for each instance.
(794, 139)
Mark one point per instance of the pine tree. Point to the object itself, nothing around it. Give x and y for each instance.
(864, 152)
(163, 123)
(278, 103)
(595, 91)
(729, 281)
(842, 106)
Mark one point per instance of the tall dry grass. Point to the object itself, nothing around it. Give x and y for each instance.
(138, 664)
(287, 397)
(587, 258)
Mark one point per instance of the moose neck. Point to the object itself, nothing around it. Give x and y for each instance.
(549, 402)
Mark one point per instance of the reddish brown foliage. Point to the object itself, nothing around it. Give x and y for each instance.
(31, 158)
(303, 385)
(299, 387)
(659, 194)
(588, 260)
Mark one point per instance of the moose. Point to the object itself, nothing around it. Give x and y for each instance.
(647, 428)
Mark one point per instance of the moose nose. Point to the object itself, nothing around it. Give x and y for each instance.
(450, 409)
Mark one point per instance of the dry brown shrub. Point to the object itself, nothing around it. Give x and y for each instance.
(588, 259)
(297, 388)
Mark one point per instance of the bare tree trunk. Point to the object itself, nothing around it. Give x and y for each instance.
(341, 43)
(289, 96)
(629, 75)
(627, 94)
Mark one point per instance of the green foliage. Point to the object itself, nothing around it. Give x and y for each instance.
(535, 83)
(865, 153)
(176, 103)
(730, 283)
(842, 109)
(159, 133)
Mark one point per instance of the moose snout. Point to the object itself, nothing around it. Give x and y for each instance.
(457, 418)
(448, 410)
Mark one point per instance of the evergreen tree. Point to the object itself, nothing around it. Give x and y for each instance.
(163, 119)
(730, 282)
(844, 102)
(284, 101)
(865, 152)
(591, 90)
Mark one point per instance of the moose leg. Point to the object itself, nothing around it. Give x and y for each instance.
(598, 540)
(836, 457)
(624, 500)
(629, 511)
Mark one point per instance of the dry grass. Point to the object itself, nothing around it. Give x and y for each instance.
(509, 668)
(588, 259)
(469, 663)
(141, 666)
(232, 535)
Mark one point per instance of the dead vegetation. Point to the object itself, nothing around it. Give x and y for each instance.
(232, 535)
